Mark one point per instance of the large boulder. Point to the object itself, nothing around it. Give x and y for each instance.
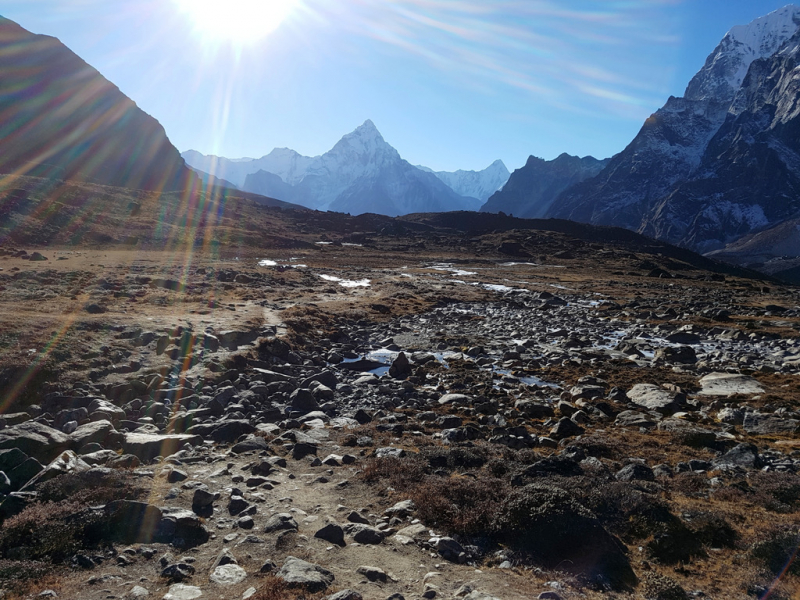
(764, 424)
(302, 574)
(103, 410)
(133, 522)
(653, 397)
(35, 439)
(101, 432)
(147, 446)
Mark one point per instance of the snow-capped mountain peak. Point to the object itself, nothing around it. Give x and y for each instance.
(365, 142)
(727, 65)
(474, 184)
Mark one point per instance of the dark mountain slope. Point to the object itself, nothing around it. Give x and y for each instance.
(60, 118)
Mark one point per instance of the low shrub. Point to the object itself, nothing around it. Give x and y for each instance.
(51, 531)
(18, 576)
(275, 588)
(96, 486)
(777, 551)
(460, 505)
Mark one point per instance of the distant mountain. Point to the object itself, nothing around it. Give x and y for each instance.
(719, 163)
(474, 184)
(60, 118)
(361, 173)
(287, 164)
(532, 189)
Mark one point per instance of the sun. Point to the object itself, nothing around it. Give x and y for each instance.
(235, 21)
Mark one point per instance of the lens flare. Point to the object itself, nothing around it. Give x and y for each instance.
(235, 21)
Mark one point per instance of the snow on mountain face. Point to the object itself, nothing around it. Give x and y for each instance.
(475, 184)
(287, 164)
(721, 162)
(727, 66)
(361, 173)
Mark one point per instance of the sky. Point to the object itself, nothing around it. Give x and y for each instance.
(451, 84)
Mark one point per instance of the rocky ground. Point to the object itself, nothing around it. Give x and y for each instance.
(499, 415)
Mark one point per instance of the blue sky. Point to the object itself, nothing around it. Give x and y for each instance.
(450, 83)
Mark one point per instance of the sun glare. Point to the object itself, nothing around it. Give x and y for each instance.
(235, 21)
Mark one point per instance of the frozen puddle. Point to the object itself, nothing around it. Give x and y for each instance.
(273, 263)
(348, 283)
(448, 267)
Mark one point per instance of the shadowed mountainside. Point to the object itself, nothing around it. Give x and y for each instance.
(60, 118)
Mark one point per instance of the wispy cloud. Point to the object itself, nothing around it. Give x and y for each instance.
(553, 49)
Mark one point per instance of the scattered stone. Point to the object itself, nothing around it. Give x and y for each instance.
(299, 573)
(229, 574)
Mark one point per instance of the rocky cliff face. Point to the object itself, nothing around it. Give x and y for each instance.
(717, 164)
(531, 190)
(60, 118)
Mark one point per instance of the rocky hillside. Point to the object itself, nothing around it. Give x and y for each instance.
(532, 189)
(720, 162)
(60, 118)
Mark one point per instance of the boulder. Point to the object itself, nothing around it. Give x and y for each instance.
(302, 574)
(558, 532)
(96, 432)
(764, 424)
(67, 462)
(100, 410)
(653, 397)
(147, 446)
(728, 384)
(280, 522)
(35, 439)
(228, 575)
(332, 533)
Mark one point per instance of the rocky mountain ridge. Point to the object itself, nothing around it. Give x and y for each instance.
(717, 164)
(532, 189)
(62, 119)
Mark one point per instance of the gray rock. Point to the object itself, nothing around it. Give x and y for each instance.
(35, 439)
(177, 572)
(688, 434)
(765, 424)
(299, 573)
(229, 574)
(742, 455)
(179, 591)
(364, 534)
(345, 595)
(633, 418)
(99, 432)
(252, 444)
(460, 399)
(450, 550)
(565, 428)
(66, 462)
(653, 397)
(373, 574)
(332, 533)
(146, 446)
(280, 522)
(202, 498)
(635, 472)
(728, 384)
(303, 401)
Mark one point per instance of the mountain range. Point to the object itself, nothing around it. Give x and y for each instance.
(361, 173)
(710, 168)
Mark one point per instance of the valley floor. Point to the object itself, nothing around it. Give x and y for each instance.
(640, 412)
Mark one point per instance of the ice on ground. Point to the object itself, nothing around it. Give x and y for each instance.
(348, 283)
